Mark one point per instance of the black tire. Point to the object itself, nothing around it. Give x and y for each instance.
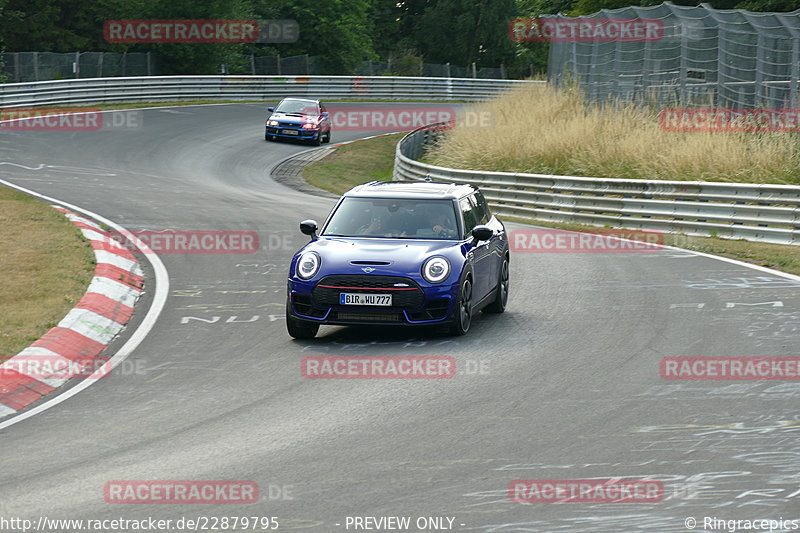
(501, 298)
(327, 137)
(297, 328)
(318, 140)
(463, 311)
(268, 137)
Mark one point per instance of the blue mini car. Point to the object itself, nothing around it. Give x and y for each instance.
(400, 253)
(303, 119)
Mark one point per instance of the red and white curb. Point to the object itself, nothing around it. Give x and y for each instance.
(74, 347)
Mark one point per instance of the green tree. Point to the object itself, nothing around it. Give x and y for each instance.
(3, 76)
(196, 58)
(61, 25)
(337, 31)
(466, 31)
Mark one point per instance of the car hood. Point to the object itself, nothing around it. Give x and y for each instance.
(401, 257)
(293, 119)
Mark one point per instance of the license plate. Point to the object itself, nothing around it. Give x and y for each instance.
(291, 132)
(381, 300)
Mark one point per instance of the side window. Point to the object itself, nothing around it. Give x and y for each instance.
(483, 213)
(468, 211)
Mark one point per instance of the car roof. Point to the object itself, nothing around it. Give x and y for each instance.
(301, 99)
(411, 189)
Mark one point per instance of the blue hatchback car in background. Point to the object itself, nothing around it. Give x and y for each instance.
(304, 119)
(400, 253)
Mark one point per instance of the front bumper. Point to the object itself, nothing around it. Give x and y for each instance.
(425, 305)
(303, 134)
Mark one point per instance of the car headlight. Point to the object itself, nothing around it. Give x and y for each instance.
(308, 265)
(272, 123)
(309, 126)
(436, 269)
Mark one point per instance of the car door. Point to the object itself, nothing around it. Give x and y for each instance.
(497, 244)
(477, 253)
(326, 120)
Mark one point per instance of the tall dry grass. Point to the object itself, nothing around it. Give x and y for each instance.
(543, 130)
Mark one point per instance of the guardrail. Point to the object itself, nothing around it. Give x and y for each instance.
(754, 212)
(151, 88)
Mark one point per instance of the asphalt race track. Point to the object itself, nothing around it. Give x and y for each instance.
(564, 385)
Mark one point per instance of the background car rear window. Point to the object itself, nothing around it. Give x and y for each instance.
(390, 217)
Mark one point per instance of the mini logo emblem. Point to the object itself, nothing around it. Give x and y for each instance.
(368, 269)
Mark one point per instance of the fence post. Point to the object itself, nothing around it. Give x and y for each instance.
(77, 68)
(760, 90)
(36, 66)
(474, 71)
(682, 80)
(100, 65)
(502, 71)
(448, 68)
(278, 62)
(307, 73)
(149, 72)
(252, 64)
(794, 101)
(16, 67)
(124, 59)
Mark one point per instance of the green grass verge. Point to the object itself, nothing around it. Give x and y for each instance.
(355, 163)
(373, 159)
(46, 266)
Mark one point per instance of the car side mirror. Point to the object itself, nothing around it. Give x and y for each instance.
(482, 233)
(270, 109)
(309, 227)
(325, 114)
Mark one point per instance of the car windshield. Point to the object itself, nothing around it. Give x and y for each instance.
(297, 107)
(394, 218)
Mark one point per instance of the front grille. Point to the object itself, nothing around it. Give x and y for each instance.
(326, 292)
(363, 316)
